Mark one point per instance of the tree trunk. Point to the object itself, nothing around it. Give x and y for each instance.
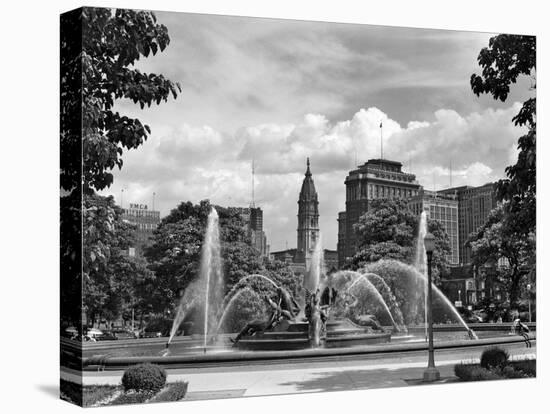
(514, 288)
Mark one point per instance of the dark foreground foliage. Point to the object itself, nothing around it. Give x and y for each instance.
(144, 378)
(514, 369)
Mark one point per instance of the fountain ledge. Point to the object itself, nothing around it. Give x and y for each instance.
(105, 362)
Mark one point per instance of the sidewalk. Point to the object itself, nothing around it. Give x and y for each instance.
(223, 382)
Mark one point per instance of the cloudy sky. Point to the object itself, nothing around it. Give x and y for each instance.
(278, 91)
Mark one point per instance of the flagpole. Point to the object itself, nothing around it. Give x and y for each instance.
(381, 143)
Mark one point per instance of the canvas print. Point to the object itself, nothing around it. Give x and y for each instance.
(256, 206)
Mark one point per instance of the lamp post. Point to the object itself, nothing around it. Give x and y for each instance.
(529, 300)
(431, 373)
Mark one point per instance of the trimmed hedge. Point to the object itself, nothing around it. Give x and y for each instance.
(173, 392)
(528, 366)
(514, 369)
(494, 357)
(144, 378)
(132, 398)
(473, 372)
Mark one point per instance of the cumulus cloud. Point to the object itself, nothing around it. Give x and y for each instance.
(195, 163)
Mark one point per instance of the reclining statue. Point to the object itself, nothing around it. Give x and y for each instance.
(287, 304)
(259, 325)
(285, 308)
(368, 320)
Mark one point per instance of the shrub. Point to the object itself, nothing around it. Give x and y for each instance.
(527, 366)
(494, 357)
(132, 397)
(473, 372)
(462, 371)
(510, 372)
(144, 377)
(173, 392)
(95, 394)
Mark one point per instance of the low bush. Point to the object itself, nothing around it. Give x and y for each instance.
(527, 366)
(144, 378)
(173, 392)
(95, 394)
(494, 357)
(473, 372)
(132, 397)
(71, 392)
(510, 372)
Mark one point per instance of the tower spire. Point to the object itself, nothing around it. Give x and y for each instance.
(308, 217)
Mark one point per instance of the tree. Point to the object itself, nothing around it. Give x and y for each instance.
(175, 253)
(389, 230)
(501, 237)
(111, 278)
(506, 59)
(96, 70)
(98, 50)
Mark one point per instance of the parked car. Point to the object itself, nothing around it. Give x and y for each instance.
(118, 333)
(93, 334)
(150, 333)
(473, 318)
(70, 332)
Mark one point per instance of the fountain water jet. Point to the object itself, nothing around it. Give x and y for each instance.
(316, 269)
(210, 284)
(420, 280)
(228, 306)
(372, 288)
(239, 285)
(211, 273)
(391, 298)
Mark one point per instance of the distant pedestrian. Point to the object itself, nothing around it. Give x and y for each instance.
(523, 330)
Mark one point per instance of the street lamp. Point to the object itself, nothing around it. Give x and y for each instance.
(529, 300)
(431, 373)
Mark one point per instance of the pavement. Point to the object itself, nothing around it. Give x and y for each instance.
(396, 370)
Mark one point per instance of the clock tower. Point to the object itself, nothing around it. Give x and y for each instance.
(308, 219)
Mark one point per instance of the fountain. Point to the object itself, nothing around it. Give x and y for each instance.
(346, 318)
(210, 285)
(313, 326)
(337, 317)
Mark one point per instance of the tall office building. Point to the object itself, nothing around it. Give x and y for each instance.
(145, 221)
(444, 209)
(377, 178)
(253, 219)
(474, 206)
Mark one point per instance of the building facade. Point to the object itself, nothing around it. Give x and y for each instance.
(444, 209)
(377, 178)
(145, 221)
(253, 219)
(474, 206)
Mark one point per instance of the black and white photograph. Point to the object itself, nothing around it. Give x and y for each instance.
(255, 206)
(272, 207)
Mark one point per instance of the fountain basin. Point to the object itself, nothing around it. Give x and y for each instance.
(341, 333)
(199, 360)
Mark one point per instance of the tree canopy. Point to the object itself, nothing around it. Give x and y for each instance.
(501, 237)
(506, 59)
(174, 255)
(99, 48)
(111, 278)
(389, 230)
(96, 70)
